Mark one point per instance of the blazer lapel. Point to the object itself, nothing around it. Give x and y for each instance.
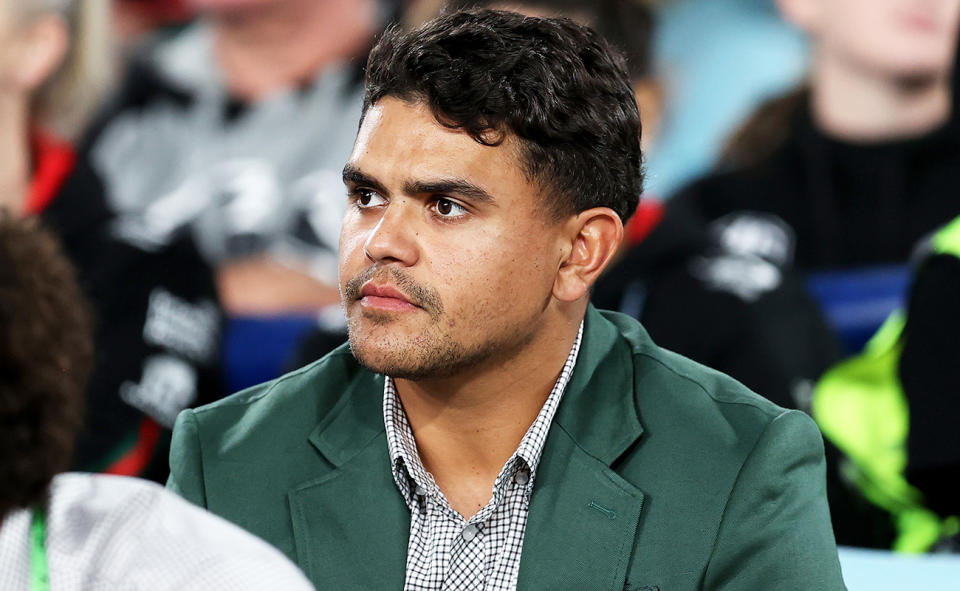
(583, 516)
(356, 505)
(582, 524)
(351, 526)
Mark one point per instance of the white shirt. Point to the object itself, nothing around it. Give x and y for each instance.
(123, 534)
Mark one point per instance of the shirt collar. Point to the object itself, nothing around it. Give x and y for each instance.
(409, 473)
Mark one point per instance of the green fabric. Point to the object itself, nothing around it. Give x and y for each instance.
(709, 486)
(860, 406)
(39, 567)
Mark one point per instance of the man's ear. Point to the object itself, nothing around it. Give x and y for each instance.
(42, 46)
(591, 239)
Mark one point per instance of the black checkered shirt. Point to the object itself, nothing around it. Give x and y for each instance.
(447, 552)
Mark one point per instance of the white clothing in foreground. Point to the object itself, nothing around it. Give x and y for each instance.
(119, 533)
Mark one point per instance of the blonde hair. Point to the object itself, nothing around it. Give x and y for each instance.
(68, 100)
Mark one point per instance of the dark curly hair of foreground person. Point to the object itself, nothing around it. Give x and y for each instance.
(558, 86)
(45, 359)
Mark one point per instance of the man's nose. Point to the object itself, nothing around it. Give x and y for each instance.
(393, 239)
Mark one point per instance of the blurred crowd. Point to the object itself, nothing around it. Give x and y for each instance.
(800, 230)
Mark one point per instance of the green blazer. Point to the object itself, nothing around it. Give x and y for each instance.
(657, 474)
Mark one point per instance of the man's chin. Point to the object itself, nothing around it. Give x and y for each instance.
(381, 343)
(389, 363)
(405, 358)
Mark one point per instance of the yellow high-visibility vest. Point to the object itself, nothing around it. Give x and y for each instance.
(860, 406)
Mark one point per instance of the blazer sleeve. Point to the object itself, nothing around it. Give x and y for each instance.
(186, 462)
(775, 532)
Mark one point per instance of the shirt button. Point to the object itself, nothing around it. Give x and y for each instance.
(521, 477)
(469, 532)
(421, 491)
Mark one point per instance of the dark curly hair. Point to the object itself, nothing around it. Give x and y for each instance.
(627, 24)
(556, 85)
(45, 359)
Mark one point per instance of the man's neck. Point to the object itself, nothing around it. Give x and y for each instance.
(14, 152)
(468, 426)
(853, 104)
(264, 49)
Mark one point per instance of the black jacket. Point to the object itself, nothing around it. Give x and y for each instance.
(157, 331)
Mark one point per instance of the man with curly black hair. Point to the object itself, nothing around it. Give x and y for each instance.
(486, 427)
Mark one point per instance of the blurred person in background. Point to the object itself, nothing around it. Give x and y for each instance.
(137, 20)
(929, 380)
(859, 163)
(156, 319)
(856, 170)
(718, 61)
(237, 129)
(73, 531)
(892, 409)
(50, 84)
(417, 12)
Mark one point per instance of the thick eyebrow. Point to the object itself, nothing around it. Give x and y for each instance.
(449, 187)
(353, 175)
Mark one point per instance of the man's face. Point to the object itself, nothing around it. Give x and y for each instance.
(447, 256)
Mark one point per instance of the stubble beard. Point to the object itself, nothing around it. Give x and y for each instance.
(430, 354)
(433, 354)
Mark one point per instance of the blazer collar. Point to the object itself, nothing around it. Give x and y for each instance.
(350, 525)
(354, 421)
(598, 409)
(584, 516)
(356, 505)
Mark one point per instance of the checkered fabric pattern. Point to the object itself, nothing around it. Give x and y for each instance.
(112, 533)
(447, 552)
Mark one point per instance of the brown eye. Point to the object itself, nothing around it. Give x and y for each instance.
(447, 208)
(367, 198)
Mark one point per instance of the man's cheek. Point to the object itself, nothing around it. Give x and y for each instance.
(352, 239)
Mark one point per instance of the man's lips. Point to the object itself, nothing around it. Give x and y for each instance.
(384, 297)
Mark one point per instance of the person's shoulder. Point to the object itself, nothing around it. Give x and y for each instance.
(148, 537)
(689, 401)
(306, 394)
